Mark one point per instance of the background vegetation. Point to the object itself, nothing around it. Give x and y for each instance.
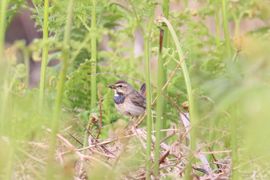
(99, 42)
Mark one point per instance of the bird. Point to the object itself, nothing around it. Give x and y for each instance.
(127, 100)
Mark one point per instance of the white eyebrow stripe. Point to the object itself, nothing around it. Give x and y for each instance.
(120, 85)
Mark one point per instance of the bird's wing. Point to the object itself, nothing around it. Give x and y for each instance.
(137, 99)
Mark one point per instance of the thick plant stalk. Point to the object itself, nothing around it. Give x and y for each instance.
(160, 105)
(162, 73)
(165, 9)
(44, 53)
(4, 4)
(60, 88)
(148, 100)
(192, 110)
(93, 57)
(225, 27)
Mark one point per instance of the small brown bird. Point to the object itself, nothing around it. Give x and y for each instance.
(127, 100)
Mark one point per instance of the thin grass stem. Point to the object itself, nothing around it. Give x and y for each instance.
(45, 51)
(233, 139)
(4, 5)
(148, 99)
(4, 94)
(165, 9)
(93, 67)
(217, 26)
(60, 87)
(93, 56)
(226, 28)
(160, 105)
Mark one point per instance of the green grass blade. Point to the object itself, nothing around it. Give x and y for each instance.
(60, 87)
(93, 57)
(44, 53)
(4, 5)
(148, 100)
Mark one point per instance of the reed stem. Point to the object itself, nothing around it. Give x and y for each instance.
(65, 57)
(93, 57)
(233, 139)
(225, 28)
(3, 65)
(165, 9)
(160, 105)
(44, 53)
(4, 5)
(148, 99)
(60, 87)
(162, 76)
(93, 67)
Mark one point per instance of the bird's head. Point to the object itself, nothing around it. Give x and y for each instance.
(121, 87)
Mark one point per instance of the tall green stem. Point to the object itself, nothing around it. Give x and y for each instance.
(60, 86)
(4, 4)
(148, 99)
(225, 27)
(4, 93)
(65, 57)
(234, 119)
(93, 57)
(192, 110)
(162, 73)
(44, 52)
(160, 105)
(93, 66)
(165, 8)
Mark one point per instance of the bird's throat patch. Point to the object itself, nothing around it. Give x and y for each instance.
(119, 98)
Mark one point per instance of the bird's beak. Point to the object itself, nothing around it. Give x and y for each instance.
(112, 86)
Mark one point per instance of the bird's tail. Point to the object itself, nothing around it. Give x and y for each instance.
(143, 90)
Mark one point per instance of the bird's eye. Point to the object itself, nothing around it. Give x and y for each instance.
(120, 86)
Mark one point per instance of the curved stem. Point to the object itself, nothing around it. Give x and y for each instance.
(192, 110)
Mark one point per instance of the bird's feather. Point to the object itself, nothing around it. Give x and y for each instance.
(137, 99)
